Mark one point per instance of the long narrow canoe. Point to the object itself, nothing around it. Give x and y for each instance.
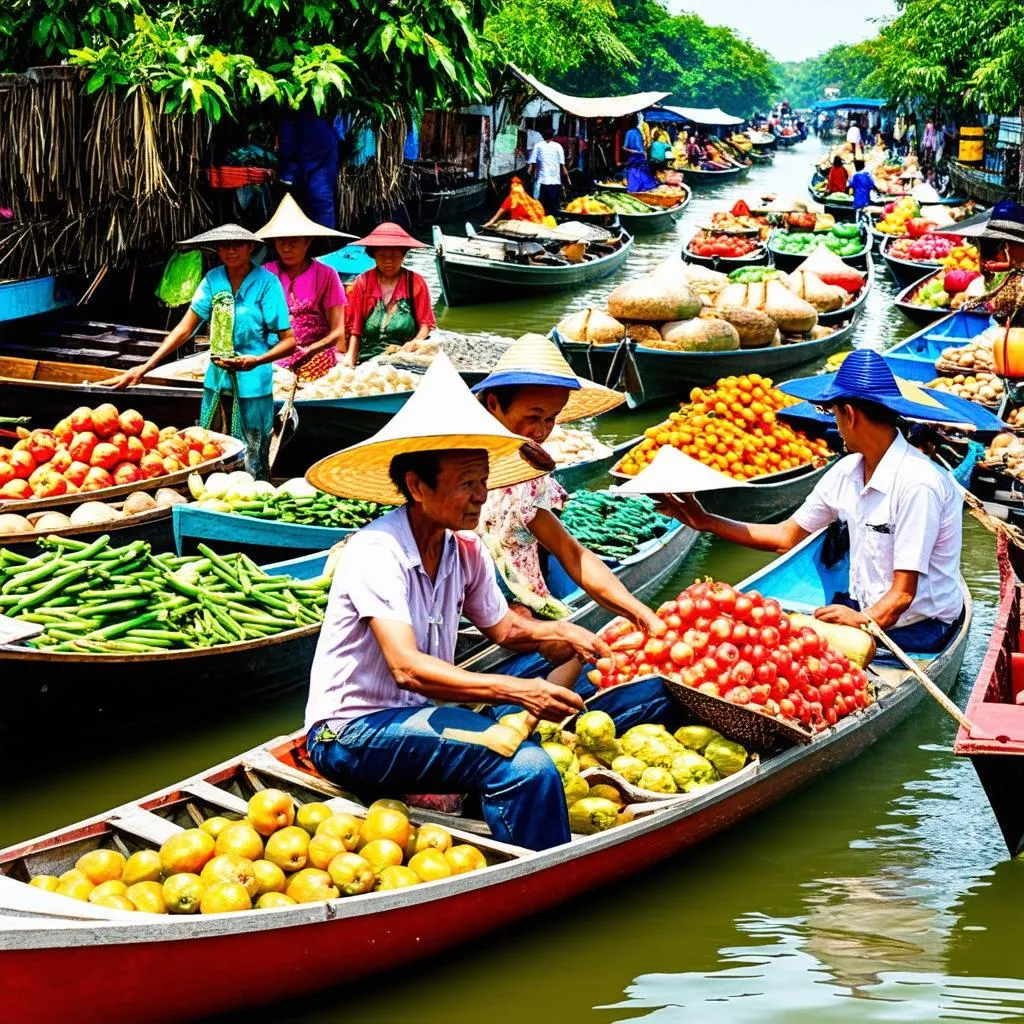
(915, 313)
(578, 475)
(914, 357)
(469, 279)
(726, 264)
(46, 938)
(154, 527)
(904, 272)
(996, 748)
(32, 296)
(700, 179)
(790, 261)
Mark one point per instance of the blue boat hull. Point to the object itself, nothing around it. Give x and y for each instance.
(914, 358)
(32, 296)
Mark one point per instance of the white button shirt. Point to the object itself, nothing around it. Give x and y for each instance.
(549, 158)
(908, 518)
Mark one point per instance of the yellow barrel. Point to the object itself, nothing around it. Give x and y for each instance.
(972, 146)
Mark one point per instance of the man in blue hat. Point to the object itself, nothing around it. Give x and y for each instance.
(902, 511)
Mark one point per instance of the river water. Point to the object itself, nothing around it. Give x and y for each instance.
(881, 893)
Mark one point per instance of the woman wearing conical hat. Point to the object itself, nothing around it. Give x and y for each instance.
(382, 715)
(314, 292)
(530, 390)
(249, 331)
(389, 304)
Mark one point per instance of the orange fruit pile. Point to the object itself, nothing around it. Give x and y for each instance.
(731, 427)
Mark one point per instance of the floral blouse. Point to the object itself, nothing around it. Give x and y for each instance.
(507, 515)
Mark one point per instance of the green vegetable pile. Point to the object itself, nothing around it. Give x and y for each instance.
(612, 525)
(620, 202)
(98, 599)
(751, 275)
(843, 239)
(323, 510)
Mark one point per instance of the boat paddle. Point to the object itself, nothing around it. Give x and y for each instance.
(286, 415)
(908, 663)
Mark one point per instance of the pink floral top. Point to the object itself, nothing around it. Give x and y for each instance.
(507, 515)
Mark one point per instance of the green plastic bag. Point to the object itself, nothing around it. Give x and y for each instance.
(181, 278)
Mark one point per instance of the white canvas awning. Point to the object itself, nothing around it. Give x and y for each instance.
(592, 106)
(706, 115)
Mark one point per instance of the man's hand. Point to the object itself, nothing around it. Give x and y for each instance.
(841, 615)
(684, 507)
(127, 379)
(650, 623)
(587, 645)
(546, 700)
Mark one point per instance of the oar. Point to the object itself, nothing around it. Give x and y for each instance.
(286, 415)
(908, 663)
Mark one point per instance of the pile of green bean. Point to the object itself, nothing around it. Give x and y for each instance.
(99, 599)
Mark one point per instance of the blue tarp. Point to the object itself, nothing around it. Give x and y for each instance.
(849, 103)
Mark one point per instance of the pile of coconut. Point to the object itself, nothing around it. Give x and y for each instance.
(685, 307)
(94, 514)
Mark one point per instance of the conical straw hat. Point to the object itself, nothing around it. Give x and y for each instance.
(217, 236)
(290, 222)
(673, 472)
(441, 415)
(534, 359)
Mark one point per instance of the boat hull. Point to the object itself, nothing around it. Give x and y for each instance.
(727, 264)
(703, 179)
(32, 296)
(787, 261)
(905, 272)
(469, 281)
(768, 501)
(655, 222)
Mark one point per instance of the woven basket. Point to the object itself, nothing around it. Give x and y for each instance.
(659, 198)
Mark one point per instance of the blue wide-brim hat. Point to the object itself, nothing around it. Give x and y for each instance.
(534, 359)
(1006, 223)
(865, 375)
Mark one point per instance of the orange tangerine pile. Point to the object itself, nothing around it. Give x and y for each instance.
(731, 427)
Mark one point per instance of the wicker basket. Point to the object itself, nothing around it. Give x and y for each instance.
(659, 198)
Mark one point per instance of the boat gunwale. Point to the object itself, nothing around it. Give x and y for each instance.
(481, 262)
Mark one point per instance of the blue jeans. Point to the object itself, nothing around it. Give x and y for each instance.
(405, 750)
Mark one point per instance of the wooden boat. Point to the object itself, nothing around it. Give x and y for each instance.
(988, 186)
(486, 270)
(47, 391)
(914, 358)
(108, 692)
(44, 936)
(788, 141)
(579, 474)
(996, 750)
(920, 315)
(904, 272)
(668, 375)
(842, 211)
(696, 178)
(726, 264)
(856, 307)
(660, 219)
(232, 458)
(761, 157)
(448, 204)
(790, 261)
(32, 296)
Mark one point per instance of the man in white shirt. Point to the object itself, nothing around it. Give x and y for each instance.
(903, 512)
(547, 164)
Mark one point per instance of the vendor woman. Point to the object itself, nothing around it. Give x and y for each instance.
(313, 290)
(382, 715)
(530, 390)
(247, 301)
(390, 304)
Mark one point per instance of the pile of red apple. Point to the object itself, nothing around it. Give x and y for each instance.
(96, 448)
(742, 647)
(924, 249)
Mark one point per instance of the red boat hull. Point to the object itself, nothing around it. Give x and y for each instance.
(190, 978)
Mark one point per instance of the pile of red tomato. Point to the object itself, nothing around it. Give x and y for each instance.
(96, 448)
(925, 249)
(710, 243)
(742, 647)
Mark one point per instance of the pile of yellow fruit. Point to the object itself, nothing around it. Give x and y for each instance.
(731, 427)
(962, 257)
(273, 857)
(895, 223)
(587, 204)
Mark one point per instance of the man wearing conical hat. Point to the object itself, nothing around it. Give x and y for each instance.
(903, 513)
(530, 390)
(379, 717)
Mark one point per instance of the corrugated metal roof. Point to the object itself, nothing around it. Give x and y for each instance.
(592, 106)
(705, 115)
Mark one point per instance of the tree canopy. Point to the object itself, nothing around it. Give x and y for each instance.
(846, 67)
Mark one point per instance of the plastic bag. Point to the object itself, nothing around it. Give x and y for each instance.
(181, 278)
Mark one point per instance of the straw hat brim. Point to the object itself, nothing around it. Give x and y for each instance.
(289, 221)
(586, 399)
(1004, 231)
(363, 471)
(218, 236)
(395, 237)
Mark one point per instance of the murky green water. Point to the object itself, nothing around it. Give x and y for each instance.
(879, 894)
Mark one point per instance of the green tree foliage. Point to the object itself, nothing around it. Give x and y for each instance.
(846, 67)
(378, 58)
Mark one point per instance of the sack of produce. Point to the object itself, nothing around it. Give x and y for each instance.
(643, 333)
(703, 334)
(755, 329)
(592, 325)
(700, 280)
(791, 314)
(823, 297)
(832, 270)
(653, 300)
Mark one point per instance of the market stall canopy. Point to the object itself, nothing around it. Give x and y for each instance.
(712, 116)
(849, 103)
(592, 106)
